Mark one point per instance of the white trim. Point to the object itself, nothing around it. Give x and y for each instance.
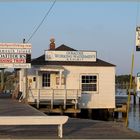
(89, 74)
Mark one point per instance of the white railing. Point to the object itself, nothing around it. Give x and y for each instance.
(52, 95)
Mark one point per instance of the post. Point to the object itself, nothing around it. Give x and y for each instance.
(90, 113)
(130, 86)
(134, 93)
(36, 82)
(76, 100)
(60, 130)
(38, 88)
(60, 78)
(38, 99)
(65, 98)
(21, 83)
(52, 98)
(134, 98)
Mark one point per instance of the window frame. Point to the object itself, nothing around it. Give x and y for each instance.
(44, 81)
(62, 80)
(97, 82)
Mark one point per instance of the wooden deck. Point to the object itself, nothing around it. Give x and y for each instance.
(9, 107)
(74, 129)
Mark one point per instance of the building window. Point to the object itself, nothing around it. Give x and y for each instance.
(46, 80)
(58, 80)
(89, 83)
(34, 79)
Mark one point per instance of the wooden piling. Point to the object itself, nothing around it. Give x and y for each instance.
(90, 113)
(134, 99)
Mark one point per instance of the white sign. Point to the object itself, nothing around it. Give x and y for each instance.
(87, 56)
(138, 81)
(15, 65)
(15, 55)
(137, 38)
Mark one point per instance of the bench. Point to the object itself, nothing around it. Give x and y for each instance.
(35, 120)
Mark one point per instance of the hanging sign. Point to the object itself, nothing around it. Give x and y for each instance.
(15, 55)
(88, 56)
(137, 38)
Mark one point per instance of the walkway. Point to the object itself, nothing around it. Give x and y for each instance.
(74, 129)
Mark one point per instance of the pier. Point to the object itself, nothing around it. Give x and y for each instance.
(75, 128)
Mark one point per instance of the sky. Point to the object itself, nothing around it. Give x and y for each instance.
(107, 27)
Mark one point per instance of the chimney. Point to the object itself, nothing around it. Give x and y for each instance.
(52, 44)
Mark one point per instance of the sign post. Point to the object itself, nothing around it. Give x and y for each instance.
(130, 87)
(26, 81)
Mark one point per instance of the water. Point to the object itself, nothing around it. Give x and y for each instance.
(134, 117)
(134, 112)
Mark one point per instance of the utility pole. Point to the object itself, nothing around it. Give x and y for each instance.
(130, 87)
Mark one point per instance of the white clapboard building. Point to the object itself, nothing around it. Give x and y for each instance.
(73, 79)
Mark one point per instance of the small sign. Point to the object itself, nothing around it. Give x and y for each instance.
(88, 56)
(137, 38)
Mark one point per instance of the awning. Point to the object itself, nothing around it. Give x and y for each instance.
(53, 68)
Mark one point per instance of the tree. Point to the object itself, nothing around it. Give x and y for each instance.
(123, 81)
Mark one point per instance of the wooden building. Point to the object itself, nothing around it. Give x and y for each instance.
(69, 78)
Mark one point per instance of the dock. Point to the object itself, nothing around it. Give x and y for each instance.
(75, 128)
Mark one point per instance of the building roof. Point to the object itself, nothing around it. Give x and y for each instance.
(41, 60)
(64, 48)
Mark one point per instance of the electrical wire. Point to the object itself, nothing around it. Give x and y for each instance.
(39, 25)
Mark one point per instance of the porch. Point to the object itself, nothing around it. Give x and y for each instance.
(56, 100)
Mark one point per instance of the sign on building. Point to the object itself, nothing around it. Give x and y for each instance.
(70, 56)
(15, 55)
(137, 38)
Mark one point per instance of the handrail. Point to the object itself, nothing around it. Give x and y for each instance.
(56, 94)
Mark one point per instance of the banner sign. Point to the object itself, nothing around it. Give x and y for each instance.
(137, 38)
(87, 56)
(15, 55)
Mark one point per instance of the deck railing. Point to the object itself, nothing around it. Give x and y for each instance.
(52, 95)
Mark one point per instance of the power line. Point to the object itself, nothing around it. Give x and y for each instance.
(47, 13)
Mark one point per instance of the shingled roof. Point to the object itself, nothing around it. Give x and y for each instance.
(41, 60)
(64, 48)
